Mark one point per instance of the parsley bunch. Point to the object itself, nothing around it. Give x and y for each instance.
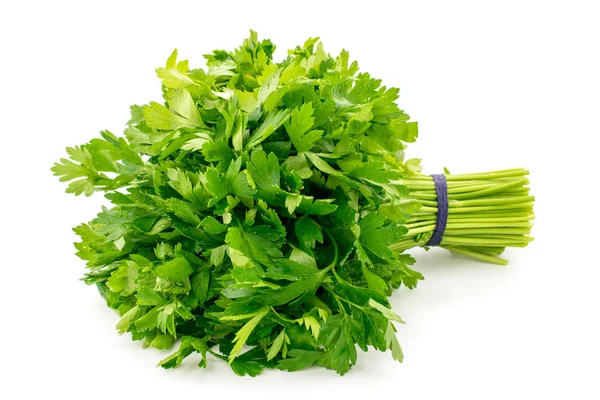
(253, 211)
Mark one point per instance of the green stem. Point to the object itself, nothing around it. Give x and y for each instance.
(343, 299)
(335, 251)
(336, 297)
(280, 317)
(476, 255)
(486, 213)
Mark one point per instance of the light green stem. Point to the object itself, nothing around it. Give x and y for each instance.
(486, 213)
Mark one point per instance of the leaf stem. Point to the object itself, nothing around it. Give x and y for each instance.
(335, 252)
(486, 213)
(336, 297)
(280, 317)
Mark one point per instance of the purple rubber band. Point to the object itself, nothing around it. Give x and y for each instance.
(441, 190)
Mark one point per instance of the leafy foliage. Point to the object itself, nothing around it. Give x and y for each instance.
(252, 211)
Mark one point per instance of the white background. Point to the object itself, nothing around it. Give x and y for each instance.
(492, 84)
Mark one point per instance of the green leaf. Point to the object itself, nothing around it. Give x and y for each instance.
(126, 319)
(183, 209)
(373, 281)
(295, 292)
(392, 343)
(399, 210)
(316, 207)
(243, 334)
(238, 181)
(291, 270)
(276, 345)
(181, 102)
(217, 255)
(258, 243)
(308, 232)
(174, 74)
(339, 343)
(298, 127)
(161, 342)
(217, 184)
(212, 226)
(250, 363)
(292, 201)
(265, 171)
(148, 297)
(300, 359)
(311, 324)
(198, 142)
(356, 294)
(123, 279)
(217, 151)
(175, 270)
(376, 237)
(322, 165)
(158, 116)
(299, 165)
(303, 258)
(200, 286)
(376, 172)
(389, 314)
(188, 346)
(273, 121)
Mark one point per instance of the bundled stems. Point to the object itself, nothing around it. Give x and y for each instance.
(487, 212)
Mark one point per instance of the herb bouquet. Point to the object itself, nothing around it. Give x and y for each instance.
(260, 214)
